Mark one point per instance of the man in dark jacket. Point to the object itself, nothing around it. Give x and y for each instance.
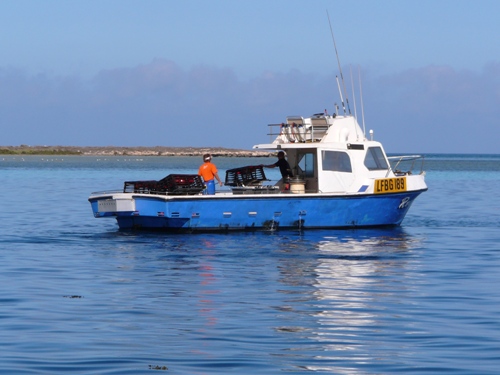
(286, 171)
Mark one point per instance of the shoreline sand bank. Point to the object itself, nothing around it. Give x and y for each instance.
(129, 151)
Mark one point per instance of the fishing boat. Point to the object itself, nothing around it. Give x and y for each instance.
(341, 179)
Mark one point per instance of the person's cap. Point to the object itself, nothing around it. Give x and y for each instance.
(207, 157)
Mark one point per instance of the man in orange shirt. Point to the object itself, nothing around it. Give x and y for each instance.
(208, 171)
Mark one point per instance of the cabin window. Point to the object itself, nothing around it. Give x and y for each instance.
(375, 160)
(336, 161)
(306, 165)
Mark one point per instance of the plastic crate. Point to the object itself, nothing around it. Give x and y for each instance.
(144, 187)
(245, 176)
(173, 184)
(181, 184)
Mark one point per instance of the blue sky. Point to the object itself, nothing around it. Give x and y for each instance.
(215, 73)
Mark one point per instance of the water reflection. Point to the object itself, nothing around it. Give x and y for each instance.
(208, 282)
(351, 282)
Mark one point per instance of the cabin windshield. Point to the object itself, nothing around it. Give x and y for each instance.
(337, 161)
(375, 159)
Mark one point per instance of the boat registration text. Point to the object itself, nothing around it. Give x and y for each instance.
(390, 185)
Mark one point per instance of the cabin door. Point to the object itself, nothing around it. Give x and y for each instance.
(336, 171)
(307, 169)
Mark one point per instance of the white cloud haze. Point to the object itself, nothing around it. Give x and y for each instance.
(433, 109)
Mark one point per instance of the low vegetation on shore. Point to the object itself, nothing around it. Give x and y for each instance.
(128, 151)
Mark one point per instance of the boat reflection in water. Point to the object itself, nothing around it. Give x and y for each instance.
(352, 284)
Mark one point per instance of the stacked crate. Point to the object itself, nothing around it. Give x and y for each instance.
(251, 175)
(173, 184)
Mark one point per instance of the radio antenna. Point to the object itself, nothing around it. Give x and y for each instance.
(354, 101)
(338, 61)
(362, 106)
(340, 92)
(353, 93)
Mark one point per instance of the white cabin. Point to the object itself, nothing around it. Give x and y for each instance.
(331, 154)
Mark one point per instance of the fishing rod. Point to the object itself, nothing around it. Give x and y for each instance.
(338, 61)
(353, 93)
(354, 101)
(340, 92)
(362, 106)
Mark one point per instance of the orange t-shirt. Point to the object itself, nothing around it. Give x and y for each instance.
(207, 171)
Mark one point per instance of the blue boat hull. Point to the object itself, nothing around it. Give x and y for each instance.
(248, 213)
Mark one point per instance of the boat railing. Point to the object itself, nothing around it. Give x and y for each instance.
(291, 134)
(405, 164)
(106, 192)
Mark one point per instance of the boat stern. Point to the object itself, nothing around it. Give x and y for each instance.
(112, 205)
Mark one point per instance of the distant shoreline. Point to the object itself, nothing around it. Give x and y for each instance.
(129, 151)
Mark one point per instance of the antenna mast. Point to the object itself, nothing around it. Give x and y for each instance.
(362, 106)
(338, 61)
(340, 92)
(353, 93)
(354, 100)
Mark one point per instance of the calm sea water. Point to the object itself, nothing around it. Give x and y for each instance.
(77, 296)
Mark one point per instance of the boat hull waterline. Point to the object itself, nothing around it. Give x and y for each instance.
(251, 213)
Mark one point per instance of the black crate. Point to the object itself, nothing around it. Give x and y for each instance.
(144, 187)
(173, 184)
(181, 184)
(245, 176)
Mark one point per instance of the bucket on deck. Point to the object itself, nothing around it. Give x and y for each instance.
(297, 185)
